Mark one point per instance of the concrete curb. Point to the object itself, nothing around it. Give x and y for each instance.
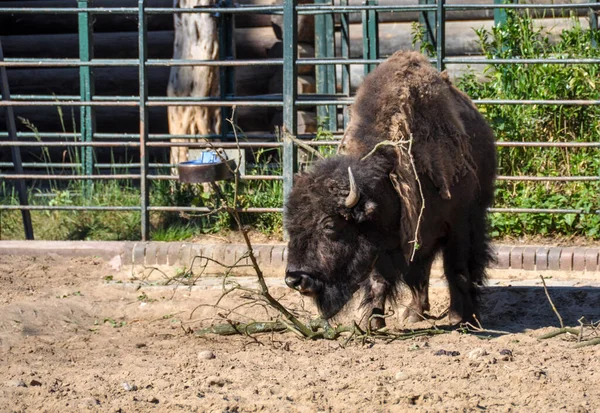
(272, 257)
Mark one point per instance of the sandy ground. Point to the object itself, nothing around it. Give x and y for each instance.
(72, 340)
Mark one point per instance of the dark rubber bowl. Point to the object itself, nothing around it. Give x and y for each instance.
(193, 172)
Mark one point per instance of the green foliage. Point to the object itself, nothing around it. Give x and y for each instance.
(521, 38)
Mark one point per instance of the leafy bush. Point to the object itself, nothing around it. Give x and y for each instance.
(520, 38)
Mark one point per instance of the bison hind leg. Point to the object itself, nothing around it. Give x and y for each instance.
(466, 256)
(417, 280)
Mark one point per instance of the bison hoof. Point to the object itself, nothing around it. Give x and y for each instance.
(411, 316)
(377, 323)
(454, 318)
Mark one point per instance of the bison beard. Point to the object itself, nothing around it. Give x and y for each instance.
(352, 220)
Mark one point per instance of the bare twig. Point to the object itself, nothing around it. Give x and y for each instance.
(562, 325)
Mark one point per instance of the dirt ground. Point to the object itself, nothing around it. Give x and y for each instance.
(73, 339)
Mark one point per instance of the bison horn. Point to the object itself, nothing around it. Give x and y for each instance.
(354, 195)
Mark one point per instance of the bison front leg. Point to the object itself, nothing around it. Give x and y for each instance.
(378, 288)
(417, 280)
(377, 291)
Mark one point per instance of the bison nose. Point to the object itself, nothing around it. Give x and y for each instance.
(300, 281)
(293, 280)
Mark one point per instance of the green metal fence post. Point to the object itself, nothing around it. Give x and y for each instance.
(226, 73)
(427, 19)
(500, 14)
(370, 35)
(86, 90)
(290, 94)
(143, 76)
(345, 39)
(593, 14)
(440, 33)
(325, 74)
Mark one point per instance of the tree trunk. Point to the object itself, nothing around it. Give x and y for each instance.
(196, 37)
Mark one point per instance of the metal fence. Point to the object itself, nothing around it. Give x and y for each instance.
(327, 99)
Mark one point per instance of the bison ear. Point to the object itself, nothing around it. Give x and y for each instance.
(364, 212)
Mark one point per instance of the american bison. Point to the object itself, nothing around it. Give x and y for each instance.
(415, 177)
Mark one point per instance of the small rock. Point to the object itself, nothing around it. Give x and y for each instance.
(129, 387)
(401, 376)
(477, 353)
(215, 381)
(206, 355)
(507, 355)
(140, 345)
(35, 382)
(442, 352)
(152, 400)
(15, 383)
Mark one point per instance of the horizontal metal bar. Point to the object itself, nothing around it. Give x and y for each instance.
(116, 166)
(216, 102)
(521, 6)
(71, 143)
(204, 209)
(302, 9)
(68, 208)
(540, 211)
(135, 10)
(267, 9)
(159, 103)
(35, 62)
(256, 210)
(156, 136)
(220, 63)
(278, 178)
(548, 144)
(175, 100)
(324, 8)
(548, 178)
(65, 103)
(242, 177)
(306, 100)
(65, 177)
(265, 144)
(563, 102)
(519, 61)
(228, 145)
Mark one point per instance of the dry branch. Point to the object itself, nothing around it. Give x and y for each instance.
(578, 332)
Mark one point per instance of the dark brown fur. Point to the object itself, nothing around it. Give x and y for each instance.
(334, 250)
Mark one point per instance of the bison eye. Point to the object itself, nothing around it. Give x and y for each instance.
(329, 225)
(332, 225)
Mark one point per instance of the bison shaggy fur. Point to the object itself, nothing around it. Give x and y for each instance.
(414, 178)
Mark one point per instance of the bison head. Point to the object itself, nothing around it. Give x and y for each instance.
(340, 217)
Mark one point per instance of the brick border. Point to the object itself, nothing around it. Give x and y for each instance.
(273, 257)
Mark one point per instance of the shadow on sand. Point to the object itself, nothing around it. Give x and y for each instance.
(516, 309)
